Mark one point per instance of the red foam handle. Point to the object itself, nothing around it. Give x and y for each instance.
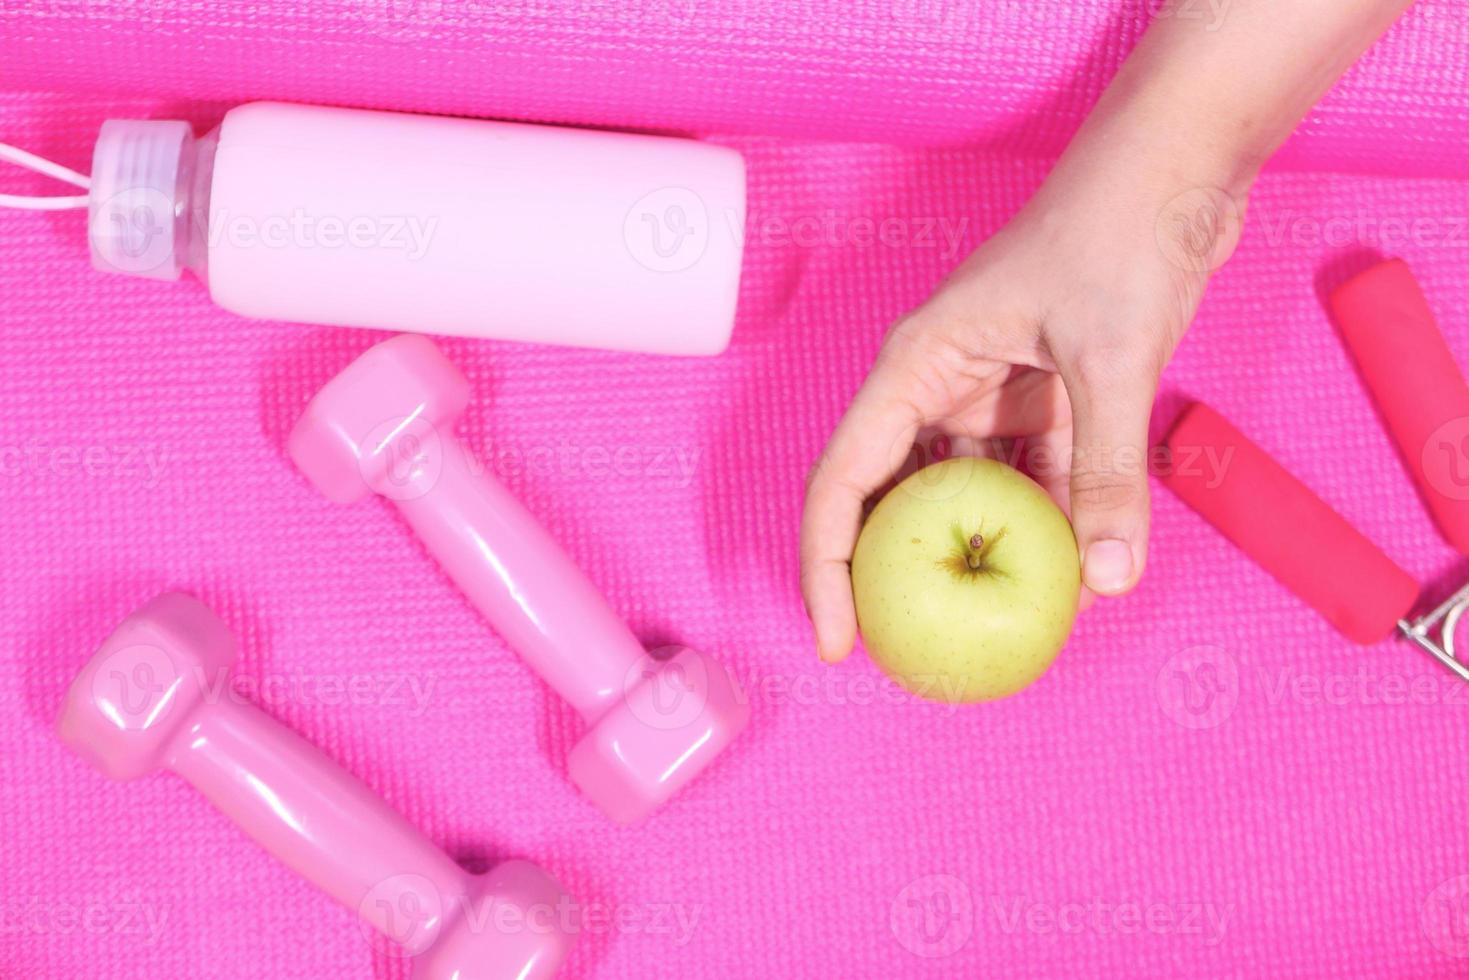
(1288, 530)
(1387, 325)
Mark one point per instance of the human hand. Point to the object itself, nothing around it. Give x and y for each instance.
(1054, 332)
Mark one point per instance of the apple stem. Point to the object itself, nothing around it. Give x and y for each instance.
(976, 542)
(973, 561)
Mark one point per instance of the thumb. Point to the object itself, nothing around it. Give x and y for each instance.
(1109, 474)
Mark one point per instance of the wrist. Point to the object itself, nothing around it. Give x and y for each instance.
(1178, 189)
(1164, 153)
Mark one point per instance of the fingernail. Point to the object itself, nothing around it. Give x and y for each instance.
(816, 642)
(1107, 567)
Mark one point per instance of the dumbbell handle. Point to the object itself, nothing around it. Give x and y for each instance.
(317, 819)
(519, 578)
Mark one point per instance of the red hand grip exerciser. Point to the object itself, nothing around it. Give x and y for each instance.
(1388, 327)
(1293, 534)
(1276, 520)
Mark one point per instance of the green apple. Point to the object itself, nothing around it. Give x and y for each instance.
(966, 577)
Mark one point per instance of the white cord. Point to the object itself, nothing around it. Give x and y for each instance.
(48, 168)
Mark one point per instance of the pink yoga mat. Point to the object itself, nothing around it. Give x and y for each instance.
(1017, 75)
(1211, 782)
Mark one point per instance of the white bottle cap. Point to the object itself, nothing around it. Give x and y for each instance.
(138, 215)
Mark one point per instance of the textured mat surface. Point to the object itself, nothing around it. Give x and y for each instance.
(1015, 74)
(1210, 782)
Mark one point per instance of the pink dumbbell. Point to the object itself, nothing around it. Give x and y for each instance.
(384, 425)
(152, 698)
